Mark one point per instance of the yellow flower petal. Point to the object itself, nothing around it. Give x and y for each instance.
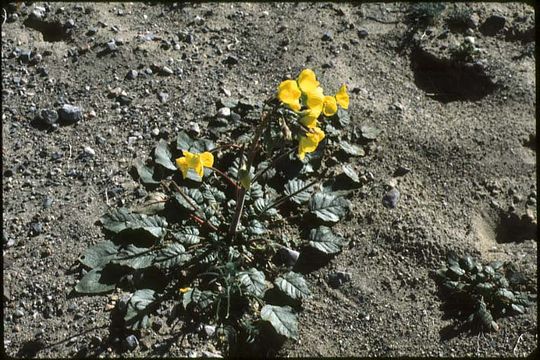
(310, 142)
(330, 106)
(289, 94)
(309, 121)
(342, 97)
(307, 81)
(184, 290)
(207, 159)
(315, 100)
(182, 164)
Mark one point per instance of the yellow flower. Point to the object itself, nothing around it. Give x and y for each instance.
(196, 162)
(309, 118)
(315, 101)
(329, 106)
(307, 81)
(289, 93)
(310, 142)
(342, 97)
(184, 290)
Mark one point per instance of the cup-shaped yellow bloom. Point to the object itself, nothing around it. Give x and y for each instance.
(196, 162)
(289, 93)
(307, 81)
(329, 106)
(184, 290)
(342, 97)
(310, 142)
(315, 101)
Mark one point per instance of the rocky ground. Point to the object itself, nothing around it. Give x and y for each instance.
(88, 87)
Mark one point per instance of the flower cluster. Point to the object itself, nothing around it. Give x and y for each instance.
(196, 162)
(305, 97)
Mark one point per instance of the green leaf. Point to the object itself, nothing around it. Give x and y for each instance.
(256, 227)
(343, 117)
(253, 281)
(135, 257)
(99, 255)
(188, 235)
(194, 195)
(213, 195)
(92, 283)
(293, 284)
(324, 240)
(260, 208)
(350, 173)
(185, 142)
(163, 155)
(295, 185)
(172, 255)
(146, 173)
(351, 149)
(369, 132)
(327, 207)
(122, 219)
(137, 307)
(282, 319)
(201, 299)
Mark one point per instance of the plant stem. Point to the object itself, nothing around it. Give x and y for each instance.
(273, 163)
(265, 118)
(283, 198)
(226, 177)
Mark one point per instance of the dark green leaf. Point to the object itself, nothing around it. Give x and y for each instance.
(200, 299)
(188, 235)
(328, 208)
(163, 155)
(172, 255)
(282, 319)
(99, 255)
(505, 295)
(295, 185)
(466, 263)
(146, 173)
(260, 207)
(194, 195)
(455, 270)
(122, 219)
(137, 307)
(350, 173)
(253, 281)
(256, 228)
(519, 309)
(324, 240)
(135, 257)
(92, 283)
(293, 284)
(185, 142)
(343, 117)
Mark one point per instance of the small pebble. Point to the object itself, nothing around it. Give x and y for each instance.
(132, 74)
(89, 151)
(155, 132)
(224, 112)
(130, 342)
(166, 71)
(47, 202)
(338, 278)
(391, 198)
(163, 97)
(328, 36)
(362, 33)
(36, 228)
(48, 117)
(70, 114)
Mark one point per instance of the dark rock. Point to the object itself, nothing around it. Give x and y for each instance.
(47, 117)
(391, 198)
(362, 33)
(25, 56)
(493, 25)
(47, 202)
(70, 114)
(91, 32)
(36, 228)
(401, 171)
(132, 74)
(124, 100)
(328, 36)
(163, 97)
(69, 24)
(130, 342)
(230, 60)
(338, 278)
(42, 71)
(111, 46)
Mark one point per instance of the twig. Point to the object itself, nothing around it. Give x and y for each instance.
(282, 199)
(517, 343)
(226, 177)
(273, 163)
(194, 206)
(5, 16)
